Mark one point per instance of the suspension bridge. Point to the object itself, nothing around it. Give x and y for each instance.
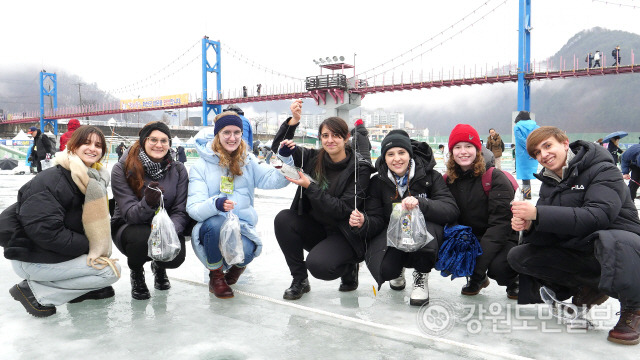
(338, 90)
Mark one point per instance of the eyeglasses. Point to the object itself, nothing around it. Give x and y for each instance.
(154, 141)
(227, 133)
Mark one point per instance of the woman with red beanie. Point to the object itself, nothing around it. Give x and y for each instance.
(488, 215)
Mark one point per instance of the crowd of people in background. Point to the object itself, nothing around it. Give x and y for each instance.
(579, 241)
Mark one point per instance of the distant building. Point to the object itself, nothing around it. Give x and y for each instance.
(381, 117)
(377, 133)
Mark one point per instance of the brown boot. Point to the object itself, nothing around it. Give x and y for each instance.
(218, 286)
(588, 297)
(233, 274)
(627, 330)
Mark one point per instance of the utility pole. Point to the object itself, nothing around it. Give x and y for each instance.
(80, 97)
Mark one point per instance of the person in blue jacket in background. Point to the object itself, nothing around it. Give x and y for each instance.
(526, 166)
(247, 133)
(630, 164)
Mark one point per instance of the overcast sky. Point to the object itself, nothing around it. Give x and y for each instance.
(117, 43)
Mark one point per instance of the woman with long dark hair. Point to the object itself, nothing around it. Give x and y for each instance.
(318, 220)
(224, 180)
(60, 241)
(144, 172)
(488, 214)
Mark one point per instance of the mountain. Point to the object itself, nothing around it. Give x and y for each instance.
(590, 104)
(20, 87)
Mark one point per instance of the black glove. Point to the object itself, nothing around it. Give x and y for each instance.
(153, 196)
(286, 151)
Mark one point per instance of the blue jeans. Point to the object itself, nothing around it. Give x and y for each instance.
(210, 235)
(56, 284)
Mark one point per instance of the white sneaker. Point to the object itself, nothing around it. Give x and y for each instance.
(399, 282)
(420, 293)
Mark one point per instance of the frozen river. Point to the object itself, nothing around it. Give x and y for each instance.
(187, 322)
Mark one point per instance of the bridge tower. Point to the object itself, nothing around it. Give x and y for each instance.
(206, 68)
(332, 92)
(524, 54)
(51, 92)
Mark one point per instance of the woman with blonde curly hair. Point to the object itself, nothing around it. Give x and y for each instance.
(224, 179)
(487, 213)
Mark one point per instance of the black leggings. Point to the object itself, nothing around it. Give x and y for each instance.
(330, 253)
(395, 260)
(133, 244)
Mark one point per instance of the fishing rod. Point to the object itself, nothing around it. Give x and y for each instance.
(355, 167)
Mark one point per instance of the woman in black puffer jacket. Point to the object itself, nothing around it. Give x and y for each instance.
(405, 175)
(60, 221)
(488, 215)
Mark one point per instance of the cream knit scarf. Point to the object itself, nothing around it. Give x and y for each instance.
(92, 182)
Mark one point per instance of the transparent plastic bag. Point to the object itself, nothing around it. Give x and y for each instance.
(46, 163)
(407, 230)
(231, 240)
(163, 242)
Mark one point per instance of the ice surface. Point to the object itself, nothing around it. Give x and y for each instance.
(186, 322)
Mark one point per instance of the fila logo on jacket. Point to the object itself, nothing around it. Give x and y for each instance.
(577, 187)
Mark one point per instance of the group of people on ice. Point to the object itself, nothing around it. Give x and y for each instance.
(581, 239)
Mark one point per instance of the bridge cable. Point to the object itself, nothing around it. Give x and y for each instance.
(432, 38)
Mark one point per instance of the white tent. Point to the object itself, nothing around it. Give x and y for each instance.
(22, 136)
(176, 141)
(191, 140)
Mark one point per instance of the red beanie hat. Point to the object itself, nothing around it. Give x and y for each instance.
(466, 133)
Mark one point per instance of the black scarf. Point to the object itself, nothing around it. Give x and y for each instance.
(153, 169)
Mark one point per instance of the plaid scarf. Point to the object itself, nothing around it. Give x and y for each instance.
(155, 170)
(92, 182)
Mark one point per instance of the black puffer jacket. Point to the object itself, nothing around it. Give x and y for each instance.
(489, 217)
(591, 197)
(333, 205)
(50, 214)
(435, 201)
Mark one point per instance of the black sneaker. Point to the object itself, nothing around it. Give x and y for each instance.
(22, 293)
(349, 282)
(297, 289)
(99, 294)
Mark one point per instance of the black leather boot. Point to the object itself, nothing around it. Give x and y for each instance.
(349, 281)
(22, 292)
(513, 290)
(104, 293)
(139, 290)
(297, 289)
(160, 278)
(473, 287)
